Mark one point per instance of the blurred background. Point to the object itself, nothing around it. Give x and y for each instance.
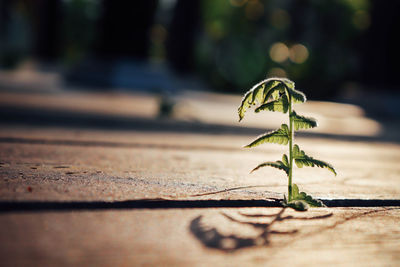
(343, 50)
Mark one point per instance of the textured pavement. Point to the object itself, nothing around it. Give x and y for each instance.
(99, 151)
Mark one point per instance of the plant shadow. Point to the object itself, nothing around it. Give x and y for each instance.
(210, 237)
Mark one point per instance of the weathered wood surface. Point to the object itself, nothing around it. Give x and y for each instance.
(82, 160)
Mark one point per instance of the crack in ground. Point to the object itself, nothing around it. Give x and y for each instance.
(165, 203)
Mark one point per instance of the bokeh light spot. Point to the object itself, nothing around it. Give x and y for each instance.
(298, 53)
(279, 52)
(277, 72)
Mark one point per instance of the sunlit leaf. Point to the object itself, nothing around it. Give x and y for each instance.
(285, 160)
(301, 122)
(281, 105)
(296, 195)
(246, 103)
(299, 205)
(261, 93)
(288, 83)
(301, 159)
(258, 94)
(280, 136)
(275, 164)
(274, 92)
(297, 96)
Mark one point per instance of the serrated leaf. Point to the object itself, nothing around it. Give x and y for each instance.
(261, 93)
(246, 103)
(274, 92)
(271, 85)
(297, 96)
(301, 159)
(299, 205)
(258, 94)
(280, 136)
(275, 164)
(301, 122)
(281, 105)
(302, 196)
(285, 160)
(288, 83)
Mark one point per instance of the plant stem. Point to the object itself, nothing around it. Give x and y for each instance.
(291, 137)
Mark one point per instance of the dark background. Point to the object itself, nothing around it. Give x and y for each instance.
(329, 48)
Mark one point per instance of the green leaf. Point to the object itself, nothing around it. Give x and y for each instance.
(280, 136)
(285, 160)
(272, 88)
(246, 103)
(302, 196)
(297, 96)
(301, 159)
(281, 105)
(295, 191)
(276, 164)
(301, 122)
(282, 165)
(274, 92)
(258, 94)
(261, 93)
(288, 83)
(299, 205)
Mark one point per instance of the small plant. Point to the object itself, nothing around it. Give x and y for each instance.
(279, 94)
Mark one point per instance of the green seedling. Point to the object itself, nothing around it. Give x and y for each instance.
(279, 94)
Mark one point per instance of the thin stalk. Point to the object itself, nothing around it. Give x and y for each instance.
(291, 137)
